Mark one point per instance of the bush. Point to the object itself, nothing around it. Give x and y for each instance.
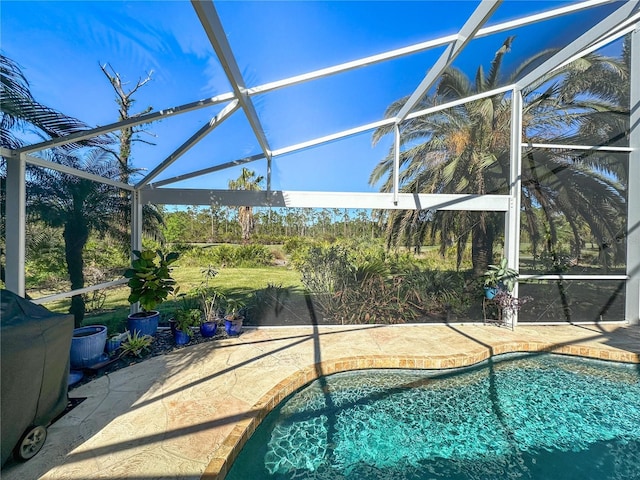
(253, 255)
(226, 255)
(363, 285)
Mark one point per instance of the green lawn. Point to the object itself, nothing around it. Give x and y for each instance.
(233, 282)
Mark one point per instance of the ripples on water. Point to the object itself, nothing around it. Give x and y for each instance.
(517, 417)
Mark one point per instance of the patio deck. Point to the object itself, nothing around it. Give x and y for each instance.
(186, 415)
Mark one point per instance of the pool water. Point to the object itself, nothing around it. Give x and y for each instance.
(515, 417)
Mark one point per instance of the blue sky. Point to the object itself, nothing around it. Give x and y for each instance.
(60, 46)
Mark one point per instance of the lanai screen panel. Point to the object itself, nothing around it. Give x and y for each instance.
(265, 53)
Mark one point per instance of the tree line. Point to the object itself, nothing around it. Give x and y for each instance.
(219, 224)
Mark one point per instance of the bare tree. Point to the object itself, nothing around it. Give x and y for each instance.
(125, 101)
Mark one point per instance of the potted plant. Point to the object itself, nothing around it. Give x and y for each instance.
(210, 303)
(114, 342)
(508, 303)
(150, 283)
(233, 318)
(499, 277)
(185, 319)
(136, 345)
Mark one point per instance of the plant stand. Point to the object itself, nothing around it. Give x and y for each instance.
(492, 313)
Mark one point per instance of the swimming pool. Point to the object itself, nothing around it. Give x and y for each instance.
(517, 416)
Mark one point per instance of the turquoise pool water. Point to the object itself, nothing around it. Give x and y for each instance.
(516, 417)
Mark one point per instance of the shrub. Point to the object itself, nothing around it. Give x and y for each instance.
(226, 255)
(363, 285)
(252, 255)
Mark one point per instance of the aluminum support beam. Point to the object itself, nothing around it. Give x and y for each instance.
(600, 44)
(512, 218)
(15, 218)
(304, 199)
(544, 276)
(213, 28)
(75, 172)
(557, 146)
(466, 34)
(205, 171)
(600, 30)
(331, 137)
(131, 122)
(192, 141)
(396, 163)
(387, 121)
(80, 291)
(632, 291)
(421, 47)
(136, 231)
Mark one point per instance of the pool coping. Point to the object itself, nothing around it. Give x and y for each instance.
(227, 452)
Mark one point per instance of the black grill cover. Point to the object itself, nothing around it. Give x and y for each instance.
(34, 351)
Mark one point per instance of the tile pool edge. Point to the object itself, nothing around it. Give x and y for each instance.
(225, 455)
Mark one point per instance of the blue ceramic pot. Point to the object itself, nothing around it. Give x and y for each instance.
(113, 344)
(233, 327)
(181, 338)
(145, 323)
(490, 292)
(208, 329)
(87, 345)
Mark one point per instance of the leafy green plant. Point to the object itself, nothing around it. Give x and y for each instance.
(137, 344)
(501, 276)
(210, 298)
(150, 278)
(187, 318)
(234, 307)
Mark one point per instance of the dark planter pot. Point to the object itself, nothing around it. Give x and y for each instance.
(208, 329)
(181, 338)
(490, 292)
(87, 345)
(233, 326)
(145, 323)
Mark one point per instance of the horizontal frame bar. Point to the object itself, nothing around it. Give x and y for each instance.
(573, 277)
(553, 146)
(60, 296)
(307, 199)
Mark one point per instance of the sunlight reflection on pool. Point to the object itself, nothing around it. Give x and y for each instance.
(519, 416)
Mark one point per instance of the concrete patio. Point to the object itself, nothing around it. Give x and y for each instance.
(187, 414)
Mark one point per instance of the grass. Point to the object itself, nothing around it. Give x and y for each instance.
(240, 283)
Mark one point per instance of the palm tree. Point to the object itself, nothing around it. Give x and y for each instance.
(20, 112)
(465, 149)
(78, 206)
(246, 181)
